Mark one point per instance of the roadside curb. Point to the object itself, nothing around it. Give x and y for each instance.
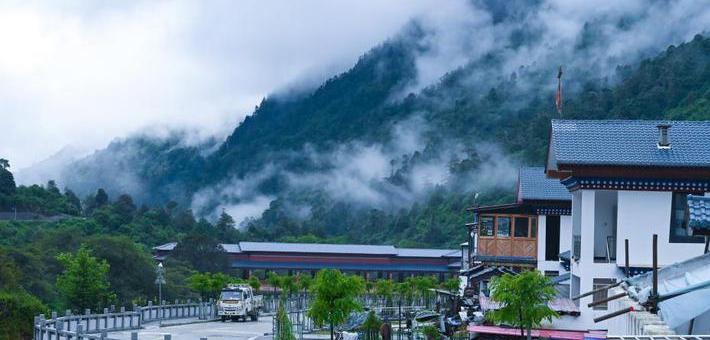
(186, 323)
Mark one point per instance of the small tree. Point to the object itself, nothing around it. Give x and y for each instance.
(523, 300)
(335, 298)
(289, 284)
(452, 285)
(201, 283)
(254, 283)
(84, 281)
(274, 280)
(371, 327)
(218, 281)
(405, 291)
(284, 329)
(385, 290)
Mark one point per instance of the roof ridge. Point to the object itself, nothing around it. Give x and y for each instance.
(608, 121)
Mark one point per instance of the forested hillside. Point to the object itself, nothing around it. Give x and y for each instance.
(309, 158)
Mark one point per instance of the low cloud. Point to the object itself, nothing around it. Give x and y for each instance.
(388, 176)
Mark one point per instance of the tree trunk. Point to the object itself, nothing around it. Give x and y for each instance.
(529, 332)
(331, 331)
(522, 327)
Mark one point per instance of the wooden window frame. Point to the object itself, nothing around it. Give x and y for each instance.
(512, 217)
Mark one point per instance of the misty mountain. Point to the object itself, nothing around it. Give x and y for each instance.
(383, 153)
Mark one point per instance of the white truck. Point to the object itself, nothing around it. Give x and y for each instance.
(238, 301)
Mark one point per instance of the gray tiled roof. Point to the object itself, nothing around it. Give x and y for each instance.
(421, 252)
(317, 248)
(534, 185)
(231, 248)
(698, 212)
(630, 143)
(324, 248)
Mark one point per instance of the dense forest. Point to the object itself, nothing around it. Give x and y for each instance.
(460, 128)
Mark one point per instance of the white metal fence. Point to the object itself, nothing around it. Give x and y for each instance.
(95, 326)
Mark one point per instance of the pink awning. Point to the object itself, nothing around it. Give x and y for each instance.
(539, 333)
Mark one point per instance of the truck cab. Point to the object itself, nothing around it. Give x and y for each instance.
(238, 302)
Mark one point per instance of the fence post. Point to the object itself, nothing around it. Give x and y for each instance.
(87, 312)
(134, 335)
(123, 318)
(79, 331)
(105, 319)
(150, 310)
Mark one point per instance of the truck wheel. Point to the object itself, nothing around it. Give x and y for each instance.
(255, 316)
(224, 318)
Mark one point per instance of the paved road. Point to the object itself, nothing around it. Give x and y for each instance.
(212, 330)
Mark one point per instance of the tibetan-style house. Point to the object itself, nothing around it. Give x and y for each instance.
(629, 180)
(524, 234)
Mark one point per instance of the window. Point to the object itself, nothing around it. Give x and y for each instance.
(521, 227)
(533, 227)
(486, 226)
(599, 283)
(503, 229)
(678, 232)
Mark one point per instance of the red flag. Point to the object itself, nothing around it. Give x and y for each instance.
(558, 96)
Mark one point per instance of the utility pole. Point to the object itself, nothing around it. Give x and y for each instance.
(160, 281)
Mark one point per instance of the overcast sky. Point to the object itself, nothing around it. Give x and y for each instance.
(83, 73)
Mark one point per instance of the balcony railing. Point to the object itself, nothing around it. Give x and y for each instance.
(576, 246)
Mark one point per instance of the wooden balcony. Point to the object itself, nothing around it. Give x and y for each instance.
(508, 235)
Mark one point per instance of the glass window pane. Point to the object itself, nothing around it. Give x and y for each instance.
(503, 227)
(486, 226)
(521, 227)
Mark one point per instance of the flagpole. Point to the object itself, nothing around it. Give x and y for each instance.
(558, 96)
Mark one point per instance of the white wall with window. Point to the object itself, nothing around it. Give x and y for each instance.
(644, 213)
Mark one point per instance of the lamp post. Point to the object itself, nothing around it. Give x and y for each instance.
(160, 281)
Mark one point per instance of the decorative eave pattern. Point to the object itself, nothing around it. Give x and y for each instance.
(641, 184)
(553, 211)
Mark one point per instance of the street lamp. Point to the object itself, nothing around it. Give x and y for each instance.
(160, 281)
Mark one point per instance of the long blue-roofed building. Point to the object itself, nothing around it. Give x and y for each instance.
(371, 261)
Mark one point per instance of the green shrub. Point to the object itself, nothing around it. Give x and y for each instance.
(17, 311)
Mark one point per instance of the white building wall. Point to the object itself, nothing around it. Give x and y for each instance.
(565, 233)
(585, 268)
(642, 214)
(639, 215)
